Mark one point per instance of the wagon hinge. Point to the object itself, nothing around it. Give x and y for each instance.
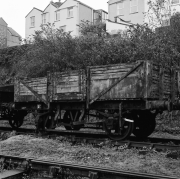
(114, 84)
(35, 93)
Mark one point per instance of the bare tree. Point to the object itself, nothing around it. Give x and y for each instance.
(159, 13)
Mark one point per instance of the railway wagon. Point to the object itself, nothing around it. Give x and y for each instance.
(120, 99)
(7, 111)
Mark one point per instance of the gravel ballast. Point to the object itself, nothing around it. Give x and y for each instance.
(60, 150)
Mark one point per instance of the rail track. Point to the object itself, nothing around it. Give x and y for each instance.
(100, 139)
(18, 166)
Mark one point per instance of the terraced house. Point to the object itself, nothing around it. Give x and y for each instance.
(66, 16)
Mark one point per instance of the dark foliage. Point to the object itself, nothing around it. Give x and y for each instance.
(55, 50)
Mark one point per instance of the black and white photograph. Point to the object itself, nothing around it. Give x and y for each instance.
(89, 89)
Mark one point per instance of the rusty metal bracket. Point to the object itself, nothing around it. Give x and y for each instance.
(93, 175)
(34, 92)
(119, 80)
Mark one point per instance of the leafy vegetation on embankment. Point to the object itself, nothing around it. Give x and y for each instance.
(168, 122)
(54, 50)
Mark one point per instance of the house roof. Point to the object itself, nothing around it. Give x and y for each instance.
(32, 10)
(80, 3)
(46, 7)
(89, 6)
(1, 19)
(57, 4)
(115, 1)
(13, 32)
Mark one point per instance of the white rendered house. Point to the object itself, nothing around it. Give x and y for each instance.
(66, 16)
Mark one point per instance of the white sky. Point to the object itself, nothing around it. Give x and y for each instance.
(14, 11)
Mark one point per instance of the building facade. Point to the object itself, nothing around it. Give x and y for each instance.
(3, 33)
(129, 11)
(123, 13)
(33, 22)
(13, 38)
(8, 36)
(66, 16)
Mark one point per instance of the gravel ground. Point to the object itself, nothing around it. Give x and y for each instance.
(111, 157)
(165, 135)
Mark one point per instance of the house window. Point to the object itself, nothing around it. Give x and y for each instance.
(70, 12)
(133, 6)
(63, 28)
(32, 19)
(44, 18)
(175, 2)
(57, 15)
(120, 8)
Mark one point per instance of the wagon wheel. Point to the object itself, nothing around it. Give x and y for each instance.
(115, 133)
(71, 116)
(145, 124)
(16, 120)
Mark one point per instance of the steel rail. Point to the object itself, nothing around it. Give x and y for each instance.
(100, 139)
(90, 134)
(66, 170)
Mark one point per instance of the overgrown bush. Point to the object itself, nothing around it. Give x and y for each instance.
(55, 50)
(168, 122)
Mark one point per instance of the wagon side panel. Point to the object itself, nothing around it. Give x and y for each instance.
(67, 86)
(33, 90)
(131, 87)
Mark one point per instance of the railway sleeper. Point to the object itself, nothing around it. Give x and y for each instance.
(52, 169)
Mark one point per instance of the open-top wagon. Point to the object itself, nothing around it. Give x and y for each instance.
(121, 98)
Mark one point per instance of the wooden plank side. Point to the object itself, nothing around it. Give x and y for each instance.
(67, 89)
(34, 89)
(130, 87)
(153, 81)
(110, 76)
(67, 86)
(29, 98)
(163, 83)
(111, 67)
(109, 71)
(40, 90)
(37, 84)
(67, 96)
